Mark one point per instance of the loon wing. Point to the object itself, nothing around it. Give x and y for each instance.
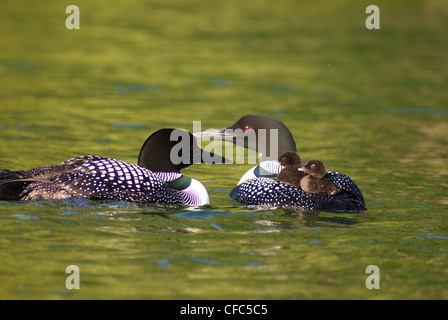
(105, 178)
(99, 178)
(168, 176)
(17, 185)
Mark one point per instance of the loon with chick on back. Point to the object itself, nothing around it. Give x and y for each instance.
(156, 178)
(258, 186)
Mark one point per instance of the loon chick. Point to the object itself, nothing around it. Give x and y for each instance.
(292, 173)
(258, 186)
(156, 178)
(315, 180)
(290, 159)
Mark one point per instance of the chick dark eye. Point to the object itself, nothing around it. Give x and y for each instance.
(245, 128)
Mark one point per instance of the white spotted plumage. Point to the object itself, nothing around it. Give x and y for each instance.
(100, 178)
(275, 194)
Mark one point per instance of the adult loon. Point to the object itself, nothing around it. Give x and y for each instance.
(258, 186)
(156, 178)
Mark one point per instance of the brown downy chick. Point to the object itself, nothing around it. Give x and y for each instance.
(291, 173)
(315, 181)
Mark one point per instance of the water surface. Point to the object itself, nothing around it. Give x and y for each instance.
(369, 103)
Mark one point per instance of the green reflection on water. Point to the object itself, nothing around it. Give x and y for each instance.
(371, 104)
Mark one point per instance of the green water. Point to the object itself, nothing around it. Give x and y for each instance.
(370, 103)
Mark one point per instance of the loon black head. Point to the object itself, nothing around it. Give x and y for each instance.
(315, 168)
(170, 150)
(249, 129)
(290, 159)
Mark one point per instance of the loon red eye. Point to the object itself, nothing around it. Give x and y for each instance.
(245, 128)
